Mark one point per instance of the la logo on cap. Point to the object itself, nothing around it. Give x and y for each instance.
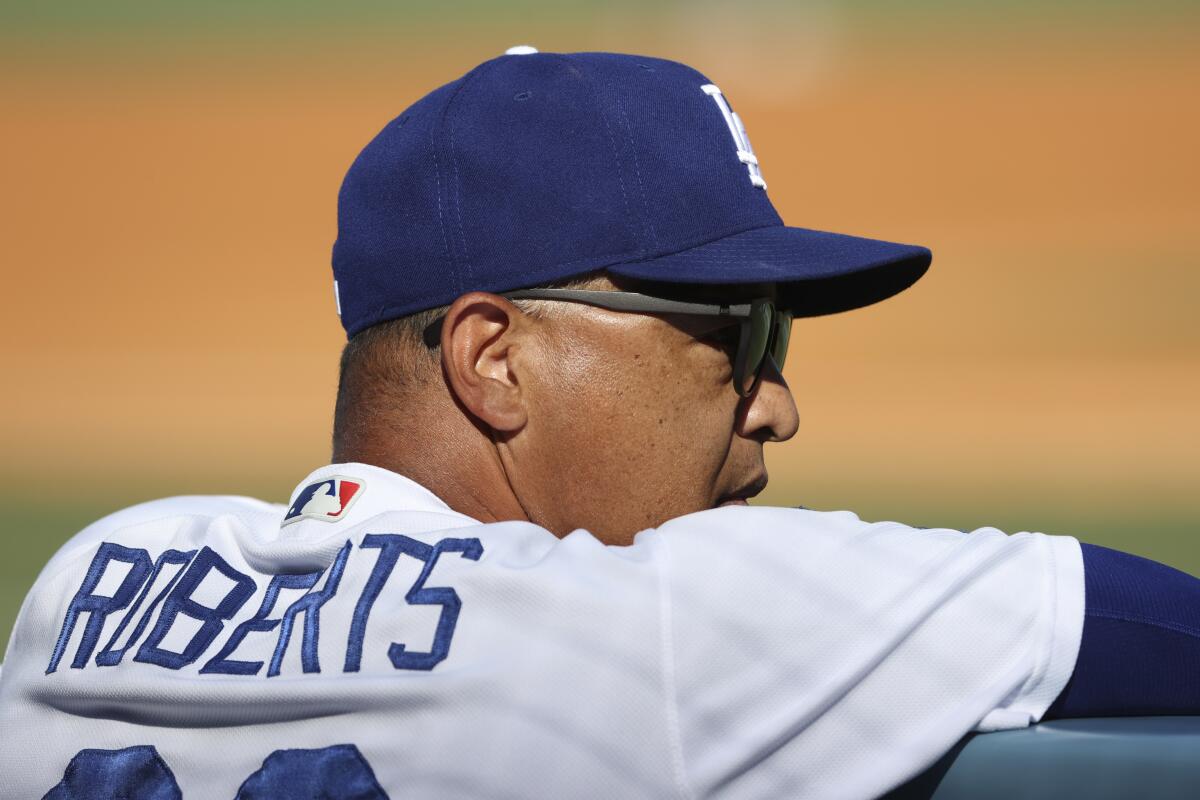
(326, 500)
(737, 130)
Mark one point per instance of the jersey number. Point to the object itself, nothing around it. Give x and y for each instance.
(338, 772)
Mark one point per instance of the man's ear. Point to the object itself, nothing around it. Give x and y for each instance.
(481, 333)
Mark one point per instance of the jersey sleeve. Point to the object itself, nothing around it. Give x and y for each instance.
(813, 654)
(1140, 650)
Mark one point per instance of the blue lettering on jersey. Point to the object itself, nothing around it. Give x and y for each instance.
(310, 607)
(260, 622)
(177, 596)
(391, 546)
(98, 607)
(180, 601)
(108, 656)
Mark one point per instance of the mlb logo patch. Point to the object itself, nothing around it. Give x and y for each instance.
(326, 500)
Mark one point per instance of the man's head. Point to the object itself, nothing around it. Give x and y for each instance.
(567, 414)
(614, 172)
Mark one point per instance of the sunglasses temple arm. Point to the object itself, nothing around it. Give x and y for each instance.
(630, 301)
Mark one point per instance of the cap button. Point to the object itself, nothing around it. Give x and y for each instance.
(520, 50)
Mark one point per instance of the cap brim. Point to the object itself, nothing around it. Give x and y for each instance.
(818, 272)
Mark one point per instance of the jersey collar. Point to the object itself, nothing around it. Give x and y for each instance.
(351, 492)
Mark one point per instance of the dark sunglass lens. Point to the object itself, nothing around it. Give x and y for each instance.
(756, 348)
(783, 333)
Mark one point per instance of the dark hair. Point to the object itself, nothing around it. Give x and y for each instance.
(382, 364)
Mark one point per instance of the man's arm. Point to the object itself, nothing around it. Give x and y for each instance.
(1140, 651)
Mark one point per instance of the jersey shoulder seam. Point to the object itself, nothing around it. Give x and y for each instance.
(667, 656)
(1142, 619)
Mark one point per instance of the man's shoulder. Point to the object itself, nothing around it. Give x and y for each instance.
(143, 520)
(183, 506)
(204, 505)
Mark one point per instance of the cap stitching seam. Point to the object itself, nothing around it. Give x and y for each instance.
(612, 142)
(723, 235)
(647, 222)
(437, 175)
(462, 235)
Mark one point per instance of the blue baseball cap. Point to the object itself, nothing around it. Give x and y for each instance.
(535, 168)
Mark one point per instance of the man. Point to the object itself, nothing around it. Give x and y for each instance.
(530, 571)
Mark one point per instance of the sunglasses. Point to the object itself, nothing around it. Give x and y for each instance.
(764, 329)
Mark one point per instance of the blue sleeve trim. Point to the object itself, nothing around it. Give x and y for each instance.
(1140, 650)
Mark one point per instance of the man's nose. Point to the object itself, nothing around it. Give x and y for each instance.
(769, 414)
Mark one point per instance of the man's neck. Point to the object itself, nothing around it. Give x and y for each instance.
(464, 471)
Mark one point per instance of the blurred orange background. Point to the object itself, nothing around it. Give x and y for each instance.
(170, 179)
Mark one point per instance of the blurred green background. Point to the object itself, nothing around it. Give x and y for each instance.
(170, 173)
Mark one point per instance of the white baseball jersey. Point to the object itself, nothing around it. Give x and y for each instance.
(369, 641)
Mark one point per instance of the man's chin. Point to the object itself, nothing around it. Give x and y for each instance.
(735, 501)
